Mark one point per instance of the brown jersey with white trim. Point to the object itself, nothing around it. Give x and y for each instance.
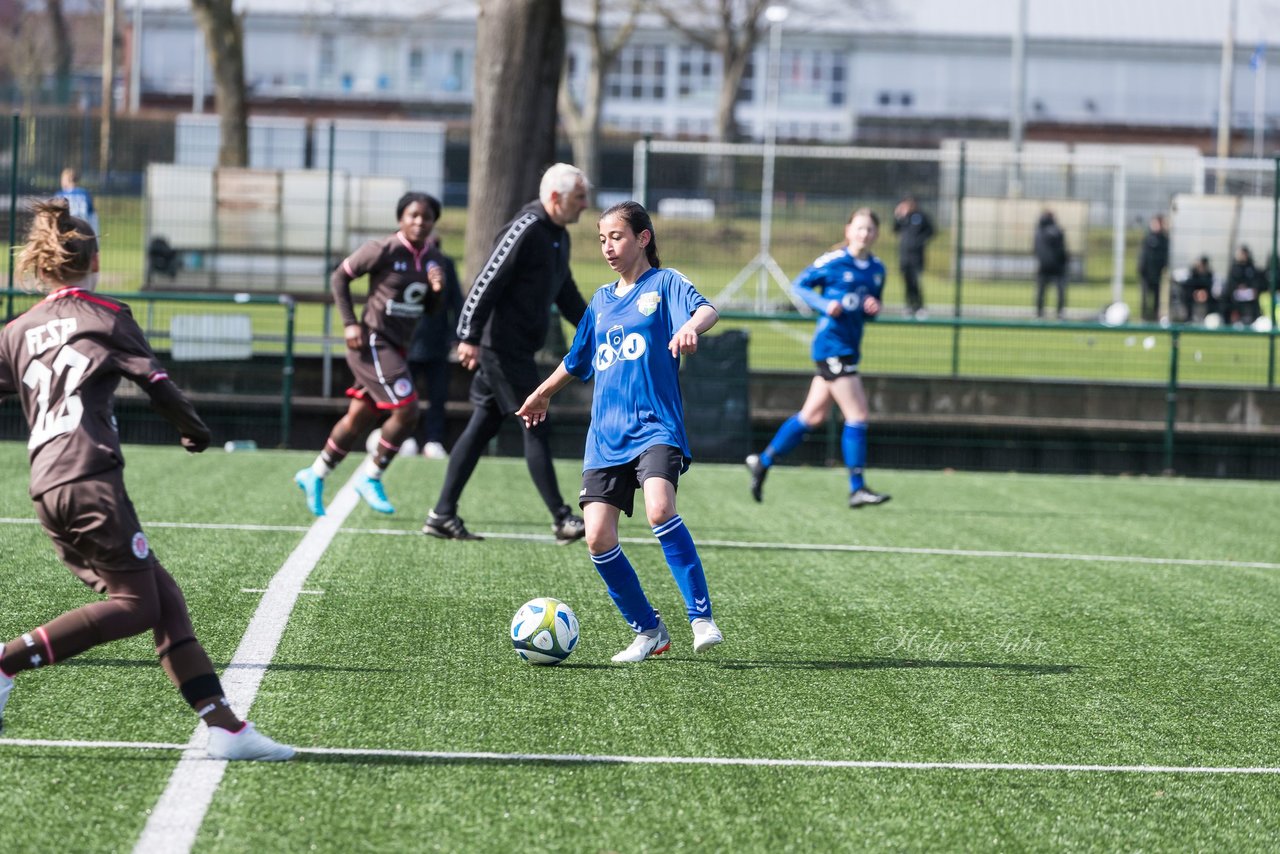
(399, 293)
(64, 359)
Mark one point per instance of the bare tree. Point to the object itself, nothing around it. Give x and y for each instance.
(224, 42)
(582, 118)
(62, 51)
(731, 29)
(519, 56)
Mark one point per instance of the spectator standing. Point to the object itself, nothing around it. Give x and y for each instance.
(1051, 262)
(429, 352)
(504, 322)
(914, 230)
(79, 202)
(1152, 261)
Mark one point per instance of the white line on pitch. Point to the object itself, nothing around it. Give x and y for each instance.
(767, 546)
(607, 759)
(263, 590)
(176, 818)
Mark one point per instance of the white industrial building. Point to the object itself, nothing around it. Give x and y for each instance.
(1135, 63)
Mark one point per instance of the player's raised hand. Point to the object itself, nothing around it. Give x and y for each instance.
(534, 409)
(684, 341)
(435, 275)
(354, 335)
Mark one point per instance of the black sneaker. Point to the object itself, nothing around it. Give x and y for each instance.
(758, 471)
(567, 527)
(447, 528)
(866, 498)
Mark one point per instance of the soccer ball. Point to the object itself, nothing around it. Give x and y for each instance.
(544, 631)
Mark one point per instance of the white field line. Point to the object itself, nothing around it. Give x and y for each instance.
(606, 759)
(763, 546)
(176, 818)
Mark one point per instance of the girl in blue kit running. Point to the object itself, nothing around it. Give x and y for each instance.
(630, 339)
(844, 286)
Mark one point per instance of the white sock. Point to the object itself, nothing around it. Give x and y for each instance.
(371, 469)
(321, 468)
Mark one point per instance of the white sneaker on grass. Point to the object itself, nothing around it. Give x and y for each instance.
(706, 634)
(434, 451)
(248, 743)
(655, 641)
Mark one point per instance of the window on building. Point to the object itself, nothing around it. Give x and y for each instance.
(328, 58)
(697, 74)
(417, 67)
(638, 74)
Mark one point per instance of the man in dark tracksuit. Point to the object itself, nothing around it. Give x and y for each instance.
(914, 230)
(1152, 260)
(503, 323)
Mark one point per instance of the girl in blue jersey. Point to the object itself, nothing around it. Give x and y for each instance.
(630, 339)
(844, 286)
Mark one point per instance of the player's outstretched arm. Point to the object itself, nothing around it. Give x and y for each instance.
(686, 338)
(534, 410)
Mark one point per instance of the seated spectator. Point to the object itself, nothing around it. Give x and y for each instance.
(1195, 290)
(1240, 303)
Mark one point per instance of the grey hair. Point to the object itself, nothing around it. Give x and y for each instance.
(561, 178)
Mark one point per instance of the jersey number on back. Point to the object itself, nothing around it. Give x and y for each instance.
(55, 417)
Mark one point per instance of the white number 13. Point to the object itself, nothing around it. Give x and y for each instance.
(54, 418)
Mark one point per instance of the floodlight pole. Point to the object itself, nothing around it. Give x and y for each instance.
(764, 263)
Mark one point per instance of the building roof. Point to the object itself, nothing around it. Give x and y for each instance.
(1175, 22)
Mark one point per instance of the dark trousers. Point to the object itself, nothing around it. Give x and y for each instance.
(1059, 281)
(911, 277)
(432, 379)
(1150, 299)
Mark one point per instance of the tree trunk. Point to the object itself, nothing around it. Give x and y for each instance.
(224, 42)
(519, 54)
(61, 51)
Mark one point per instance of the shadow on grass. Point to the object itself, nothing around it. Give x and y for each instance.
(898, 664)
(224, 666)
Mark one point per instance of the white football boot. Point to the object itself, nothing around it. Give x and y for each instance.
(706, 634)
(248, 743)
(655, 641)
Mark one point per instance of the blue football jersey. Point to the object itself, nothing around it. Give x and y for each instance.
(838, 275)
(622, 341)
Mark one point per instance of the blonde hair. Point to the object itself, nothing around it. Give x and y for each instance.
(60, 248)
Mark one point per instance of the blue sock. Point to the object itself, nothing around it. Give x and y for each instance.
(624, 588)
(686, 568)
(853, 441)
(790, 434)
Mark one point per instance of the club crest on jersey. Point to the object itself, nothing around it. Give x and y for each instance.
(619, 345)
(402, 387)
(140, 546)
(648, 303)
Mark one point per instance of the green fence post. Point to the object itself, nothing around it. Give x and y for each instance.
(326, 363)
(1171, 400)
(286, 385)
(13, 209)
(957, 253)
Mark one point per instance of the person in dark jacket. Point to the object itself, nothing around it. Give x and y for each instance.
(504, 322)
(914, 230)
(1197, 291)
(1240, 298)
(429, 351)
(1152, 261)
(1051, 261)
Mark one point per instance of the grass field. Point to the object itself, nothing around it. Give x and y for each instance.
(988, 662)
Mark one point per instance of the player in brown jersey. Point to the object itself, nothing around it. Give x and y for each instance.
(64, 359)
(405, 281)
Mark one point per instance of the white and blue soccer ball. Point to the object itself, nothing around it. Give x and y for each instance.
(544, 631)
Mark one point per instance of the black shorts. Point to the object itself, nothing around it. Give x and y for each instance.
(617, 485)
(834, 367)
(503, 381)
